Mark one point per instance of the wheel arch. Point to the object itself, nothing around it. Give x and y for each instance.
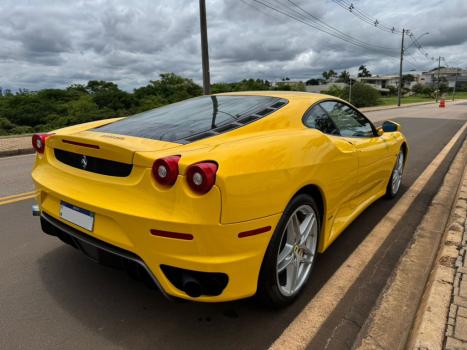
(317, 193)
(405, 149)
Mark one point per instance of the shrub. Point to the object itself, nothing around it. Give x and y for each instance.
(417, 88)
(392, 90)
(21, 130)
(363, 95)
(335, 90)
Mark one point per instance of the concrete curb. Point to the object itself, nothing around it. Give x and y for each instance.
(390, 322)
(16, 152)
(15, 136)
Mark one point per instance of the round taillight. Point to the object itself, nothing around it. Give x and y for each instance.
(38, 142)
(165, 170)
(201, 176)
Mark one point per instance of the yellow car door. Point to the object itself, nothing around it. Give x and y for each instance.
(374, 162)
(342, 168)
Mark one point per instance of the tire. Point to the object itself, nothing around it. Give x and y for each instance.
(395, 180)
(293, 255)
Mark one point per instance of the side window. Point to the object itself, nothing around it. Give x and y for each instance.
(317, 118)
(350, 122)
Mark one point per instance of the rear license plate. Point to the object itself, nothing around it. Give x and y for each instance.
(78, 216)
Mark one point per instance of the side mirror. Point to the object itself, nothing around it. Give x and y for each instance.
(390, 126)
(380, 131)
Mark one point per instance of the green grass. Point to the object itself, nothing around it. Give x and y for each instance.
(459, 95)
(392, 100)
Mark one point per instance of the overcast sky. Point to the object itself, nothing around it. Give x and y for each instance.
(51, 43)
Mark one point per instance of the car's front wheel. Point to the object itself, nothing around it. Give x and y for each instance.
(291, 252)
(396, 177)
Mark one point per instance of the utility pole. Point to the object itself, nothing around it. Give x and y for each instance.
(455, 83)
(399, 91)
(350, 89)
(437, 83)
(204, 47)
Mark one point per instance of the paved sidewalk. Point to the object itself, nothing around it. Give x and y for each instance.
(442, 318)
(10, 146)
(456, 327)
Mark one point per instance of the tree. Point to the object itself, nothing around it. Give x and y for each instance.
(344, 76)
(170, 88)
(327, 75)
(363, 71)
(408, 78)
(98, 86)
(313, 81)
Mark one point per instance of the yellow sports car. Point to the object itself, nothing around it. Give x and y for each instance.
(218, 197)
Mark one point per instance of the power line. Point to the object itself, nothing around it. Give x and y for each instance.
(321, 26)
(331, 27)
(420, 47)
(260, 9)
(349, 6)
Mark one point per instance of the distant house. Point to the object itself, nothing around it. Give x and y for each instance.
(294, 84)
(447, 75)
(323, 87)
(381, 82)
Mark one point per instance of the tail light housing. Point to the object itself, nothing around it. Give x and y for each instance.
(38, 142)
(165, 170)
(201, 176)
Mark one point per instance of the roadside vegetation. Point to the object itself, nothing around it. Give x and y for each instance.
(37, 111)
(26, 111)
(363, 95)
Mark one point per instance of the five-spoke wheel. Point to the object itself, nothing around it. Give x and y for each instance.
(291, 253)
(297, 250)
(396, 176)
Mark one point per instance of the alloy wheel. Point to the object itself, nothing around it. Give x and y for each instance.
(297, 250)
(397, 173)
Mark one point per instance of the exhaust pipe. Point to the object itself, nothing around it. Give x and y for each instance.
(35, 210)
(191, 286)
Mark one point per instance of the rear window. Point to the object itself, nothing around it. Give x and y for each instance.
(195, 118)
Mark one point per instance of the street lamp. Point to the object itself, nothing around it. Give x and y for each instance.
(417, 39)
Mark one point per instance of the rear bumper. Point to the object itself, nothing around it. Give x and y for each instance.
(92, 247)
(126, 210)
(239, 261)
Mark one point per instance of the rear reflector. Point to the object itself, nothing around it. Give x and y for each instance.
(81, 144)
(176, 235)
(254, 232)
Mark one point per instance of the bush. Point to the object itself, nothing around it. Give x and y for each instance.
(363, 95)
(392, 90)
(427, 91)
(335, 90)
(21, 130)
(417, 88)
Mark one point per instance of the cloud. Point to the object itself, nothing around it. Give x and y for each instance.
(56, 43)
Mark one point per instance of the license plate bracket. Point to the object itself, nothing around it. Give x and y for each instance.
(76, 215)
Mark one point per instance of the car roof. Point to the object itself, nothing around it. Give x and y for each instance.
(289, 95)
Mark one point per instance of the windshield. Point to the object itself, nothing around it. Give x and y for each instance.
(184, 119)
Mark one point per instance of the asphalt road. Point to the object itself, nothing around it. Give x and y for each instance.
(52, 297)
(15, 175)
